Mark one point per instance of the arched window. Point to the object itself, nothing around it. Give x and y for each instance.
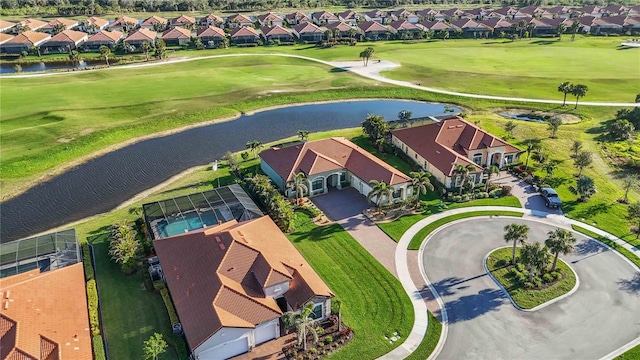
(477, 158)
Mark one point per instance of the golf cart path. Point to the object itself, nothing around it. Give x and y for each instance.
(420, 309)
(372, 71)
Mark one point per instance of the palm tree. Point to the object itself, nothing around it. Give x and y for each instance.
(574, 29)
(561, 30)
(303, 134)
(421, 183)
(530, 28)
(534, 255)
(517, 233)
(146, 47)
(299, 185)
(565, 88)
(585, 187)
(463, 173)
(352, 33)
(161, 49)
(582, 160)
(105, 51)
(521, 26)
(550, 166)
(629, 182)
(576, 147)
(554, 123)
(532, 145)
(379, 189)
(304, 324)
(254, 146)
(559, 241)
(579, 91)
(367, 54)
(539, 156)
(489, 171)
(74, 56)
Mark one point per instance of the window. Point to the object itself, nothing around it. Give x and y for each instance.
(477, 158)
(508, 159)
(473, 178)
(317, 184)
(277, 289)
(343, 177)
(397, 194)
(457, 181)
(426, 166)
(415, 155)
(317, 312)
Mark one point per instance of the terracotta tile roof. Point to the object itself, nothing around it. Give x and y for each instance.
(177, 33)
(239, 18)
(348, 14)
(45, 313)
(467, 24)
(436, 25)
(99, 22)
(558, 9)
(584, 20)
(605, 22)
(297, 15)
(211, 18)
(150, 21)
(314, 157)
(341, 25)
(33, 24)
(372, 26)
(447, 143)
(269, 17)
(557, 21)
(29, 37)
(244, 31)
(496, 23)
(5, 37)
(307, 27)
(67, 23)
(275, 30)
(376, 13)
(142, 35)
(403, 25)
(452, 12)
(323, 15)
(71, 36)
(6, 24)
(106, 36)
(183, 19)
(211, 31)
(427, 12)
(124, 20)
(216, 275)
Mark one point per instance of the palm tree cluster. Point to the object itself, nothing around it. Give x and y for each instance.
(278, 208)
(577, 90)
(304, 324)
(124, 246)
(381, 191)
(535, 256)
(367, 54)
(375, 128)
(299, 185)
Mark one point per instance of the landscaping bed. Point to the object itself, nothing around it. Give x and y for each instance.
(515, 280)
(333, 338)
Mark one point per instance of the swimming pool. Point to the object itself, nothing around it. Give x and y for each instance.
(189, 221)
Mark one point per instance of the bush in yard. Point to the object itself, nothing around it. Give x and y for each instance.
(86, 262)
(98, 348)
(529, 285)
(456, 198)
(328, 340)
(506, 190)
(482, 195)
(158, 285)
(173, 317)
(556, 275)
(92, 302)
(495, 193)
(547, 278)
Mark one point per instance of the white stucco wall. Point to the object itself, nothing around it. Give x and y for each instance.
(272, 174)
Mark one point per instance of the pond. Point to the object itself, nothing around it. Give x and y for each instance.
(103, 183)
(40, 66)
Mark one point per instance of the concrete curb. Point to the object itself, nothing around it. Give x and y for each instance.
(541, 306)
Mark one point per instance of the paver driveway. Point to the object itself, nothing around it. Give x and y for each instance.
(602, 315)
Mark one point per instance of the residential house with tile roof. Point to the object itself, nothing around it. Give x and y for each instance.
(308, 32)
(405, 30)
(430, 15)
(211, 36)
(270, 19)
(176, 36)
(452, 14)
(437, 26)
(439, 147)
(63, 23)
(244, 36)
(331, 164)
(376, 31)
(296, 18)
(125, 24)
(64, 42)
(24, 42)
(497, 25)
(321, 18)
(230, 285)
(183, 21)
(44, 315)
(404, 14)
(103, 38)
(5, 37)
(346, 30)
(471, 28)
(376, 15)
(155, 23)
(141, 36)
(277, 33)
(32, 24)
(211, 20)
(5, 26)
(238, 20)
(349, 16)
(93, 25)
(477, 14)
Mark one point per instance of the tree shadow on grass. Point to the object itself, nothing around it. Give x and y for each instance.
(557, 181)
(593, 210)
(544, 42)
(631, 286)
(318, 233)
(337, 70)
(472, 306)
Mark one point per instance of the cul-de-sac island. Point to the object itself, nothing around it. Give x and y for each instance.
(307, 180)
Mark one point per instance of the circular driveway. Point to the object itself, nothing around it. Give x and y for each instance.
(601, 316)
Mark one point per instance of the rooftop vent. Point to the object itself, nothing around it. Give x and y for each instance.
(459, 126)
(221, 246)
(451, 127)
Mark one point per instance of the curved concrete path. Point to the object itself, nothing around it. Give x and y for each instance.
(420, 309)
(371, 72)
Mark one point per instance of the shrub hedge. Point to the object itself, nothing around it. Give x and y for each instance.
(86, 259)
(173, 317)
(98, 348)
(92, 297)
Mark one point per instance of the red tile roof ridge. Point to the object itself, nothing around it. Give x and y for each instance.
(266, 302)
(375, 159)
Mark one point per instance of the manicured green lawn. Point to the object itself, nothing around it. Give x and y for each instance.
(632, 354)
(395, 229)
(527, 299)
(430, 341)
(374, 302)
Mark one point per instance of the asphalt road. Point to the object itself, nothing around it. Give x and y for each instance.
(601, 316)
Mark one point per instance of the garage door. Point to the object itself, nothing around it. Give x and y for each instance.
(265, 332)
(226, 350)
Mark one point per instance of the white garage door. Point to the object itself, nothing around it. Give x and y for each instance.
(265, 332)
(226, 350)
